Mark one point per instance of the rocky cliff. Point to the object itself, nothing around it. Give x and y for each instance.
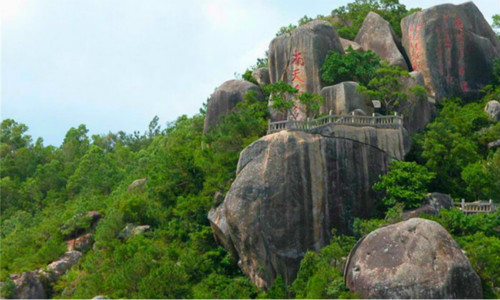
(291, 189)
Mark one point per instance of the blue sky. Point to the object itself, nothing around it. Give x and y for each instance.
(115, 64)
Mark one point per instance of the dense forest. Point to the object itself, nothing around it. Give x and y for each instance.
(46, 191)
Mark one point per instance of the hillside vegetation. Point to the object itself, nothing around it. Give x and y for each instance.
(44, 189)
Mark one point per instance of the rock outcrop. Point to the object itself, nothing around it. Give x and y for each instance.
(417, 111)
(395, 141)
(225, 98)
(492, 108)
(130, 230)
(261, 75)
(434, 203)
(296, 58)
(346, 44)
(342, 98)
(291, 189)
(80, 243)
(29, 286)
(376, 34)
(137, 184)
(453, 46)
(412, 259)
(57, 268)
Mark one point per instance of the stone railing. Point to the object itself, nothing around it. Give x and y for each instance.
(351, 120)
(476, 207)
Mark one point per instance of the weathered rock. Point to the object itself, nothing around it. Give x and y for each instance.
(492, 108)
(137, 184)
(395, 141)
(57, 268)
(355, 46)
(453, 46)
(296, 58)
(342, 98)
(434, 203)
(412, 259)
(291, 189)
(494, 144)
(225, 98)
(101, 297)
(220, 229)
(261, 75)
(376, 34)
(80, 243)
(218, 198)
(417, 111)
(29, 286)
(131, 230)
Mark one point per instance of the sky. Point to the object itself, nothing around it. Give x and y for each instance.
(115, 64)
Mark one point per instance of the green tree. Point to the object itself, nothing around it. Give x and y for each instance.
(406, 182)
(282, 97)
(387, 87)
(353, 66)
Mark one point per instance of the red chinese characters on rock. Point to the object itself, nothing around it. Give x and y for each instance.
(298, 82)
(459, 26)
(414, 47)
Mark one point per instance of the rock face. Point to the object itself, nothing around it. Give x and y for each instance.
(417, 111)
(355, 46)
(131, 230)
(261, 75)
(29, 286)
(376, 34)
(296, 58)
(433, 205)
(291, 189)
(64, 263)
(342, 98)
(453, 46)
(137, 184)
(80, 243)
(493, 110)
(412, 259)
(225, 98)
(396, 142)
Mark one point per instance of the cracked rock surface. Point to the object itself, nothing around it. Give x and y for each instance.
(416, 258)
(291, 189)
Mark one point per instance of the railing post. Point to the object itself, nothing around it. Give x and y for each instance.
(463, 204)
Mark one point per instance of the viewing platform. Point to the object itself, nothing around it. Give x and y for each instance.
(476, 207)
(393, 121)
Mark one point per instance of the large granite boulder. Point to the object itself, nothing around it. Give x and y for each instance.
(29, 286)
(453, 46)
(261, 75)
(434, 203)
(225, 98)
(342, 98)
(395, 141)
(416, 258)
(296, 58)
(417, 111)
(376, 34)
(60, 266)
(291, 189)
(137, 184)
(492, 108)
(346, 44)
(80, 243)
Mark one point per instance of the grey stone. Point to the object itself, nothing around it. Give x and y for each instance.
(355, 46)
(494, 144)
(291, 189)
(296, 58)
(417, 111)
(130, 230)
(453, 46)
(434, 203)
(413, 259)
(376, 34)
(492, 108)
(137, 184)
(80, 243)
(261, 75)
(59, 267)
(225, 99)
(29, 286)
(343, 98)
